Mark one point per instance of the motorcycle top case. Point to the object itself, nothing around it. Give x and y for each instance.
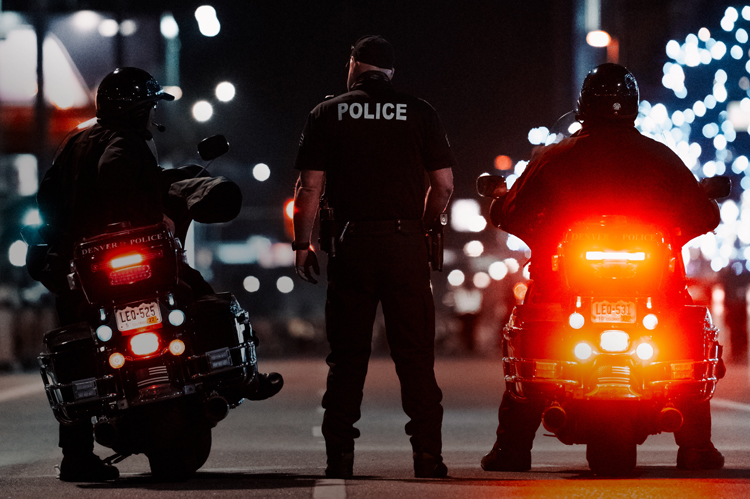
(111, 265)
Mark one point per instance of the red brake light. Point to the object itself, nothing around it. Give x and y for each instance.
(615, 255)
(126, 261)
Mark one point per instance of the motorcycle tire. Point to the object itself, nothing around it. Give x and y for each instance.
(612, 449)
(181, 443)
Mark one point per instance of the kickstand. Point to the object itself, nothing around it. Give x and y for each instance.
(116, 458)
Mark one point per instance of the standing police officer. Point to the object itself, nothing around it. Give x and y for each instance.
(371, 147)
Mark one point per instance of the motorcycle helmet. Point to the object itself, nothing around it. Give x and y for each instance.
(609, 92)
(126, 93)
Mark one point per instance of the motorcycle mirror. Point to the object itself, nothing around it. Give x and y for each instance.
(717, 187)
(491, 186)
(212, 147)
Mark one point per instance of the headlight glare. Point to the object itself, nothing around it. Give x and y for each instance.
(104, 333)
(176, 317)
(614, 341)
(644, 351)
(576, 320)
(144, 343)
(583, 351)
(650, 322)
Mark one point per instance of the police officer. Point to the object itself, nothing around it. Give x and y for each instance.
(607, 167)
(106, 172)
(371, 147)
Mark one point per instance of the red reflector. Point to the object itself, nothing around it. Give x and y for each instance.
(129, 275)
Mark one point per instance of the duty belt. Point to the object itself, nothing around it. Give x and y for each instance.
(382, 227)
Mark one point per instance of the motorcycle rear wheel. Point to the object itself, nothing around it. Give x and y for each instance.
(181, 444)
(612, 448)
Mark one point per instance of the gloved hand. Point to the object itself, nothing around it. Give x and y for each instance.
(303, 261)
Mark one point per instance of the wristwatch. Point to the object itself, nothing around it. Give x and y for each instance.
(300, 246)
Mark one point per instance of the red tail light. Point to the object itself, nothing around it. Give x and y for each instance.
(127, 269)
(615, 255)
(126, 261)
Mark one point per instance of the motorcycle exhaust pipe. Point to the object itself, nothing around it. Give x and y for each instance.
(215, 408)
(106, 433)
(670, 419)
(554, 418)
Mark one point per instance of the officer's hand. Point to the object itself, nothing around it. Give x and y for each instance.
(169, 223)
(304, 259)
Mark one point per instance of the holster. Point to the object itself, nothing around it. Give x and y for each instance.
(327, 238)
(435, 242)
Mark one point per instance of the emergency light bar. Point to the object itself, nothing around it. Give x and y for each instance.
(615, 255)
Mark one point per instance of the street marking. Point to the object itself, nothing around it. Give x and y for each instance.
(317, 431)
(21, 391)
(730, 404)
(329, 488)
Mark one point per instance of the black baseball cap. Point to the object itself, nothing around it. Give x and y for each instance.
(374, 50)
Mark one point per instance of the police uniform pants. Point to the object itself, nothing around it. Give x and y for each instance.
(391, 268)
(518, 422)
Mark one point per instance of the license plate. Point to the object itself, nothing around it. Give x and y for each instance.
(140, 316)
(613, 311)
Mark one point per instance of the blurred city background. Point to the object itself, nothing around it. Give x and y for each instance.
(499, 73)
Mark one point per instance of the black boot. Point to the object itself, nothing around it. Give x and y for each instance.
(340, 465)
(429, 466)
(708, 458)
(506, 460)
(268, 385)
(86, 468)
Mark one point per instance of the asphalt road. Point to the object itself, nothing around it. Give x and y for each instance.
(274, 448)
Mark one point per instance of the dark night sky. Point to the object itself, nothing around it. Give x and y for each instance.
(492, 69)
(489, 76)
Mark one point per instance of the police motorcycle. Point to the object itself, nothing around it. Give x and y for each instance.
(613, 356)
(153, 368)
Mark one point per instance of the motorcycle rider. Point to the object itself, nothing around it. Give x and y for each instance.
(106, 172)
(607, 167)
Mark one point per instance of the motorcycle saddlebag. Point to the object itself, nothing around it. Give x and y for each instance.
(213, 322)
(71, 353)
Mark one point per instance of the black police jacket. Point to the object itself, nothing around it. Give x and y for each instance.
(605, 169)
(102, 175)
(375, 145)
